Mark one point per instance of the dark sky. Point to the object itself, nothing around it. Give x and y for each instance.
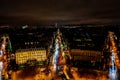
(64, 11)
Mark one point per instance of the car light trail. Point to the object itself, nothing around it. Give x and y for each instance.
(113, 65)
(55, 56)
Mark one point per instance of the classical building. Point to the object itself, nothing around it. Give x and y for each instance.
(86, 57)
(25, 55)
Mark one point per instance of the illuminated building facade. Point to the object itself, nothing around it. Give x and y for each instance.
(24, 55)
(86, 57)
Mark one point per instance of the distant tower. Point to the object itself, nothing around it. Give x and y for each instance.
(56, 25)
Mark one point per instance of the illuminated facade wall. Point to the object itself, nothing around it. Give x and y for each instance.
(30, 54)
(86, 55)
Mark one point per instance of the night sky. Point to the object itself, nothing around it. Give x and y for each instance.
(64, 11)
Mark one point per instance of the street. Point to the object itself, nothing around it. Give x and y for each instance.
(37, 75)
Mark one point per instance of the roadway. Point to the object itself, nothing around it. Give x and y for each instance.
(34, 74)
(37, 74)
